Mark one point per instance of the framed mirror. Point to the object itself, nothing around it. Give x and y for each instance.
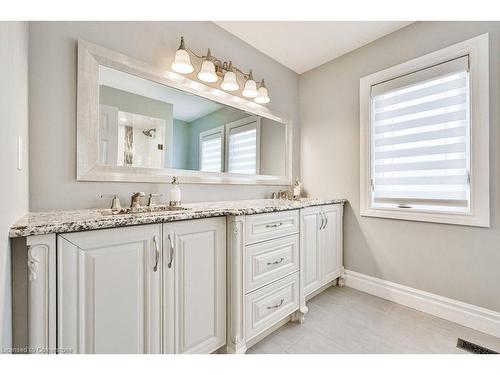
(138, 123)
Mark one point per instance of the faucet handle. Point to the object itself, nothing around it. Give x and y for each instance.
(115, 203)
(284, 194)
(274, 194)
(135, 201)
(152, 199)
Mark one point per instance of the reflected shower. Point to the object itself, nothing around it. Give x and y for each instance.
(150, 132)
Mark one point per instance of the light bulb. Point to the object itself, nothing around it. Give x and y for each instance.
(207, 72)
(230, 83)
(182, 62)
(263, 96)
(250, 89)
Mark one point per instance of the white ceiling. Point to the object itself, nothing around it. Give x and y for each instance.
(304, 45)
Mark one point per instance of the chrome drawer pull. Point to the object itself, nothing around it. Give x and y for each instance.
(276, 306)
(171, 257)
(276, 261)
(274, 225)
(157, 254)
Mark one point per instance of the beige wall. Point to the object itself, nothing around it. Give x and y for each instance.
(272, 147)
(458, 262)
(14, 183)
(52, 102)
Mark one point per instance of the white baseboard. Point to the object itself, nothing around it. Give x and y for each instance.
(475, 317)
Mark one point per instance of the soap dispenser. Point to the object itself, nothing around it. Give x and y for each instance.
(297, 189)
(175, 193)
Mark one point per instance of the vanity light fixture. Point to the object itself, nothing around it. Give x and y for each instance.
(213, 68)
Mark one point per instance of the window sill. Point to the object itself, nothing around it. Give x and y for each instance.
(431, 217)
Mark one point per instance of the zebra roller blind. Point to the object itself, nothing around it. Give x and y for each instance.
(242, 149)
(420, 139)
(211, 151)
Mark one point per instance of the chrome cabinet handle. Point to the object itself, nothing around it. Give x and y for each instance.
(171, 245)
(326, 220)
(274, 225)
(276, 306)
(322, 220)
(276, 261)
(157, 254)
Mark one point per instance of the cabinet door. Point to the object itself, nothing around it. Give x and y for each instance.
(108, 290)
(197, 282)
(331, 247)
(310, 239)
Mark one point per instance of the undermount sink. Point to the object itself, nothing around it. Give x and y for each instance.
(142, 210)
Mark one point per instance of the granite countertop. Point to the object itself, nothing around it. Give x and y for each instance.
(37, 223)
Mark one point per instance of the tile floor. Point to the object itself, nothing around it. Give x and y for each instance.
(344, 320)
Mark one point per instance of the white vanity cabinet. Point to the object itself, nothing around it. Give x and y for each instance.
(321, 246)
(198, 285)
(109, 290)
(264, 285)
(158, 288)
(194, 264)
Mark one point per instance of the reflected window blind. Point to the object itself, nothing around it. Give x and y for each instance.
(421, 140)
(211, 153)
(242, 149)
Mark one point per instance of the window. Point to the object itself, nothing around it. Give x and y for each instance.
(243, 142)
(420, 140)
(424, 145)
(232, 147)
(212, 150)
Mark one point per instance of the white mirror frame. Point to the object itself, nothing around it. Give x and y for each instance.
(90, 57)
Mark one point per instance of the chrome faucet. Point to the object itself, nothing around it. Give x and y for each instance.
(135, 201)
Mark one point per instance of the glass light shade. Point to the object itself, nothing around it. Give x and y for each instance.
(182, 62)
(230, 83)
(207, 72)
(250, 89)
(263, 97)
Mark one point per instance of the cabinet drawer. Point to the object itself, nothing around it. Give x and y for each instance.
(268, 226)
(269, 305)
(270, 260)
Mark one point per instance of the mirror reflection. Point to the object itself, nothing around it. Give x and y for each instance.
(149, 125)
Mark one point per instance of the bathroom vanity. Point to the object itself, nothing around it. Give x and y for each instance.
(204, 278)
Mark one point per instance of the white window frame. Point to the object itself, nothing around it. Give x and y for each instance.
(479, 215)
(247, 122)
(212, 133)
